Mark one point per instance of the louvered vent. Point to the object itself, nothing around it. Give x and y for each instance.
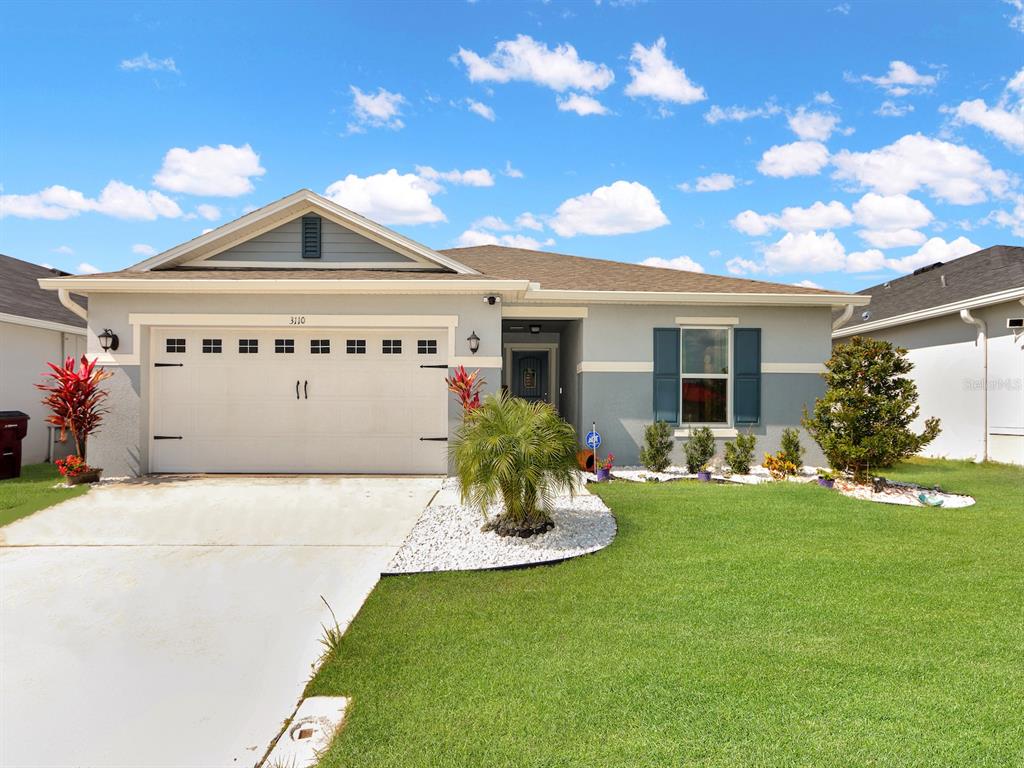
(311, 237)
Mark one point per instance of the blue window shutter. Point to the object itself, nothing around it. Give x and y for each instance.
(311, 237)
(746, 365)
(666, 375)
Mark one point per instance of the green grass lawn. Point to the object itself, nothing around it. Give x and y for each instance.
(726, 625)
(33, 491)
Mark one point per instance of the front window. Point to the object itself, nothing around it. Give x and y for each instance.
(705, 375)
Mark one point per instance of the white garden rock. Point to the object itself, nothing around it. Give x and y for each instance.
(906, 494)
(447, 536)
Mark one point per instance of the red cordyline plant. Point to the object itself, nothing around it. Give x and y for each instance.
(75, 399)
(466, 387)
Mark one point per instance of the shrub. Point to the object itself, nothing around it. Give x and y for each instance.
(700, 448)
(518, 452)
(863, 420)
(75, 399)
(778, 466)
(739, 453)
(791, 450)
(466, 387)
(657, 451)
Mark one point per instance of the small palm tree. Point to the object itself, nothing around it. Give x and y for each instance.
(521, 453)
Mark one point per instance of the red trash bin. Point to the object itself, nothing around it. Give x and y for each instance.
(13, 428)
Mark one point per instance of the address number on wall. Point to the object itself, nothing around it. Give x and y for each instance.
(297, 320)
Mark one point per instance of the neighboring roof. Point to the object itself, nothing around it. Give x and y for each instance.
(942, 288)
(21, 296)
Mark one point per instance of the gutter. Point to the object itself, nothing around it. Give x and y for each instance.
(982, 340)
(276, 286)
(843, 318)
(71, 304)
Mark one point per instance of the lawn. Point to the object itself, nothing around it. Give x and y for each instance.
(725, 626)
(33, 491)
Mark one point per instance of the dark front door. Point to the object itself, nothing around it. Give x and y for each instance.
(530, 375)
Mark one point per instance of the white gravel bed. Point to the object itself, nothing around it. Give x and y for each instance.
(757, 475)
(905, 494)
(447, 536)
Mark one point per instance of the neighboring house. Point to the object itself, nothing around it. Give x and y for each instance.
(35, 329)
(303, 337)
(962, 324)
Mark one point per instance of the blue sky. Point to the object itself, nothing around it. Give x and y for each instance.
(840, 143)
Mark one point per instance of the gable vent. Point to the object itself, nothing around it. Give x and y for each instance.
(311, 237)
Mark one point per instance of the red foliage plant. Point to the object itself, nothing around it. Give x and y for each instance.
(466, 387)
(75, 399)
(72, 466)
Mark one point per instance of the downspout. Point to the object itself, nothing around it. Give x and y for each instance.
(977, 322)
(840, 321)
(69, 303)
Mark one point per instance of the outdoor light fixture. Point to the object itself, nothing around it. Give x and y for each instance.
(108, 340)
(474, 342)
(534, 329)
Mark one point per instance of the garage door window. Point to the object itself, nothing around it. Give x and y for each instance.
(248, 346)
(211, 346)
(320, 346)
(355, 346)
(175, 345)
(284, 346)
(391, 346)
(426, 346)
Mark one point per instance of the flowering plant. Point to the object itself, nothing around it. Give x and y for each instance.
(73, 466)
(466, 387)
(607, 462)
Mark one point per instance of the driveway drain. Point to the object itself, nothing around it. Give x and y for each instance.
(310, 732)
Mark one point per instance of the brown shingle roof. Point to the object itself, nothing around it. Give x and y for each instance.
(21, 295)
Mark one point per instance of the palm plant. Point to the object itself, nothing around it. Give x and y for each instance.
(517, 452)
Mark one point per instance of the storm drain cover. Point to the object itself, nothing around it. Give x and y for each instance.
(310, 732)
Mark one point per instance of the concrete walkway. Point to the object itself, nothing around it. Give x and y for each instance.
(175, 623)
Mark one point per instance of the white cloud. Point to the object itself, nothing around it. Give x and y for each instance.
(865, 261)
(891, 212)
(740, 266)
(805, 252)
(147, 63)
(474, 177)
(208, 212)
(801, 158)
(581, 105)
(474, 237)
(1012, 219)
(890, 108)
(493, 223)
(1004, 120)
(753, 223)
(620, 208)
(481, 109)
(892, 238)
(819, 215)
(901, 79)
(808, 284)
(932, 251)
(952, 172)
(656, 76)
(117, 199)
(717, 114)
(1017, 16)
(842, 8)
(143, 249)
(824, 98)
(684, 263)
(528, 221)
(714, 182)
(64, 250)
(222, 171)
(85, 268)
(390, 198)
(512, 173)
(376, 110)
(527, 60)
(815, 126)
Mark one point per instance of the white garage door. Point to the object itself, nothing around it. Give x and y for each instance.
(335, 400)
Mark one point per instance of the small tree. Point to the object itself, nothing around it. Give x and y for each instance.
(864, 418)
(657, 450)
(740, 452)
(700, 448)
(75, 399)
(791, 450)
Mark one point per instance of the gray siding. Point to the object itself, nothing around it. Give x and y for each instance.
(339, 245)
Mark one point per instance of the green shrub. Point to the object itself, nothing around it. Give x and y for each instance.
(700, 449)
(518, 452)
(863, 420)
(739, 453)
(657, 450)
(791, 450)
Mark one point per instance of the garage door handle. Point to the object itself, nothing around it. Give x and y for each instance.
(167, 437)
(305, 389)
(167, 365)
(434, 439)
(441, 365)
(296, 389)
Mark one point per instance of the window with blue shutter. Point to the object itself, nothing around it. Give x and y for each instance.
(666, 375)
(311, 237)
(746, 399)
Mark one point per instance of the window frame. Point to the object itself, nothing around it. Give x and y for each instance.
(284, 346)
(175, 345)
(212, 346)
(319, 346)
(727, 377)
(355, 346)
(426, 346)
(391, 346)
(252, 346)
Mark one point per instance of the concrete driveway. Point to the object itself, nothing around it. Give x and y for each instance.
(175, 622)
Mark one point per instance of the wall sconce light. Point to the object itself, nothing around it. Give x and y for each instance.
(534, 329)
(474, 342)
(108, 340)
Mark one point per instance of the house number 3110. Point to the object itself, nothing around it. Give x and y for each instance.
(297, 320)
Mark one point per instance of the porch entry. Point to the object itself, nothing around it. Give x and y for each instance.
(530, 374)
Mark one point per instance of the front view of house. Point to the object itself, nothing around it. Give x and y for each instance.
(303, 337)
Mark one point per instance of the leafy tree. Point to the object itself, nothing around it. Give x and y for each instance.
(657, 450)
(517, 452)
(791, 450)
(863, 420)
(740, 452)
(75, 399)
(700, 448)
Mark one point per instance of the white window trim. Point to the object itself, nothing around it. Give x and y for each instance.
(720, 425)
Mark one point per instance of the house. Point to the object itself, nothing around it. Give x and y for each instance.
(35, 329)
(962, 323)
(303, 337)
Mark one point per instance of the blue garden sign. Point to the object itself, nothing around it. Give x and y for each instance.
(593, 440)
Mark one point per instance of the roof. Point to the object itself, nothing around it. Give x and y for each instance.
(996, 270)
(21, 296)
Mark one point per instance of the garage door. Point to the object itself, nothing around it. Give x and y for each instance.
(312, 401)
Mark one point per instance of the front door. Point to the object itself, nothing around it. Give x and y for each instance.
(530, 375)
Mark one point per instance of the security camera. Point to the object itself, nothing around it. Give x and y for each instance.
(492, 300)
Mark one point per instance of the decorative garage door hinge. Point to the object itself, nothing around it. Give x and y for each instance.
(167, 437)
(167, 365)
(439, 365)
(434, 439)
